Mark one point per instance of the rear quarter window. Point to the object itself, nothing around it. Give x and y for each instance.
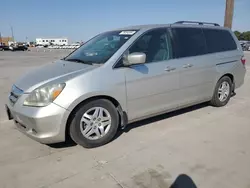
(219, 40)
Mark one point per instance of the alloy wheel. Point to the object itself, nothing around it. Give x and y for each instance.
(224, 91)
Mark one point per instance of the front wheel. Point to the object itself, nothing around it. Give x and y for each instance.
(222, 92)
(94, 124)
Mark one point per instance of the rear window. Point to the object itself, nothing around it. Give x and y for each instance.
(219, 40)
(189, 42)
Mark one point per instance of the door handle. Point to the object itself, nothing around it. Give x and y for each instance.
(168, 69)
(187, 65)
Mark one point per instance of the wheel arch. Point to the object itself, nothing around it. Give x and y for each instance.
(231, 76)
(122, 114)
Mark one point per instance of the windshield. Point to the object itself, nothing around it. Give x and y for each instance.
(100, 48)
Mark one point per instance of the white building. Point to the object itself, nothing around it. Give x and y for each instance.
(53, 41)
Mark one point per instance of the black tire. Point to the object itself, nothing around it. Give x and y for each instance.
(75, 131)
(215, 100)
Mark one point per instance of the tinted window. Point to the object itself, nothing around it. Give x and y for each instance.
(155, 44)
(189, 42)
(219, 40)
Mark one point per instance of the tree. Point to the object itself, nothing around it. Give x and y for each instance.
(237, 33)
(243, 35)
(246, 35)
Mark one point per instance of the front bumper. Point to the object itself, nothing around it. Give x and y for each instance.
(43, 124)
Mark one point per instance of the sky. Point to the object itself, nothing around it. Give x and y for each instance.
(79, 20)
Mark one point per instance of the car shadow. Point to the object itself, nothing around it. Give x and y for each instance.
(67, 144)
(148, 121)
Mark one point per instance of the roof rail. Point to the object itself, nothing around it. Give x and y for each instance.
(193, 22)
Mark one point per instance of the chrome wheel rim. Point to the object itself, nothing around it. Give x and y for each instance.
(223, 91)
(95, 123)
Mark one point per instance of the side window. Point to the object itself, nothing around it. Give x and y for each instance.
(219, 40)
(189, 42)
(155, 44)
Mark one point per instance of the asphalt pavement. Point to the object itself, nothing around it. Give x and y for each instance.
(201, 146)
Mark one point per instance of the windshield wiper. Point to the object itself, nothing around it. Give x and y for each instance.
(78, 61)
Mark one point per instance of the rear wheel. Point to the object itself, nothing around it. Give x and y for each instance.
(222, 93)
(94, 124)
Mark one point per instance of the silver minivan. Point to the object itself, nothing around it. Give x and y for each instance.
(126, 75)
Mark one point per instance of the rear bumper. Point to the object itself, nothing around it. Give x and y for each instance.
(45, 125)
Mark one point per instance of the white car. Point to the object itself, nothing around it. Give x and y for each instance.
(51, 47)
(74, 45)
(77, 46)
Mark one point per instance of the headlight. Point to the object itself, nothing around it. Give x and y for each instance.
(44, 96)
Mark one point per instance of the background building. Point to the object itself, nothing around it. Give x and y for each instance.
(51, 41)
(6, 40)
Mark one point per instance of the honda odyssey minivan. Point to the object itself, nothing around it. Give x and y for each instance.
(126, 75)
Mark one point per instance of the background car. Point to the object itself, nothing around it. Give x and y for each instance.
(18, 48)
(52, 47)
(39, 46)
(247, 46)
(4, 48)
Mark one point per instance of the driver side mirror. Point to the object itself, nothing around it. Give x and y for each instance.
(135, 58)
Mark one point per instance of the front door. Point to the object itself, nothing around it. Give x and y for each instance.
(152, 87)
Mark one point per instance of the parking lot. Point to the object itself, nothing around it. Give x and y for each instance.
(207, 145)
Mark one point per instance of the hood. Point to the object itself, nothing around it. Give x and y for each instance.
(50, 72)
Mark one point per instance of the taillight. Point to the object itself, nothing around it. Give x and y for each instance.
(243, 60)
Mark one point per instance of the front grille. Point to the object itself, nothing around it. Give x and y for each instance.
(15, 94)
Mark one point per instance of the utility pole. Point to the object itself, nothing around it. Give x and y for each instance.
(1, 38)
(229, 12)
(12, 33)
